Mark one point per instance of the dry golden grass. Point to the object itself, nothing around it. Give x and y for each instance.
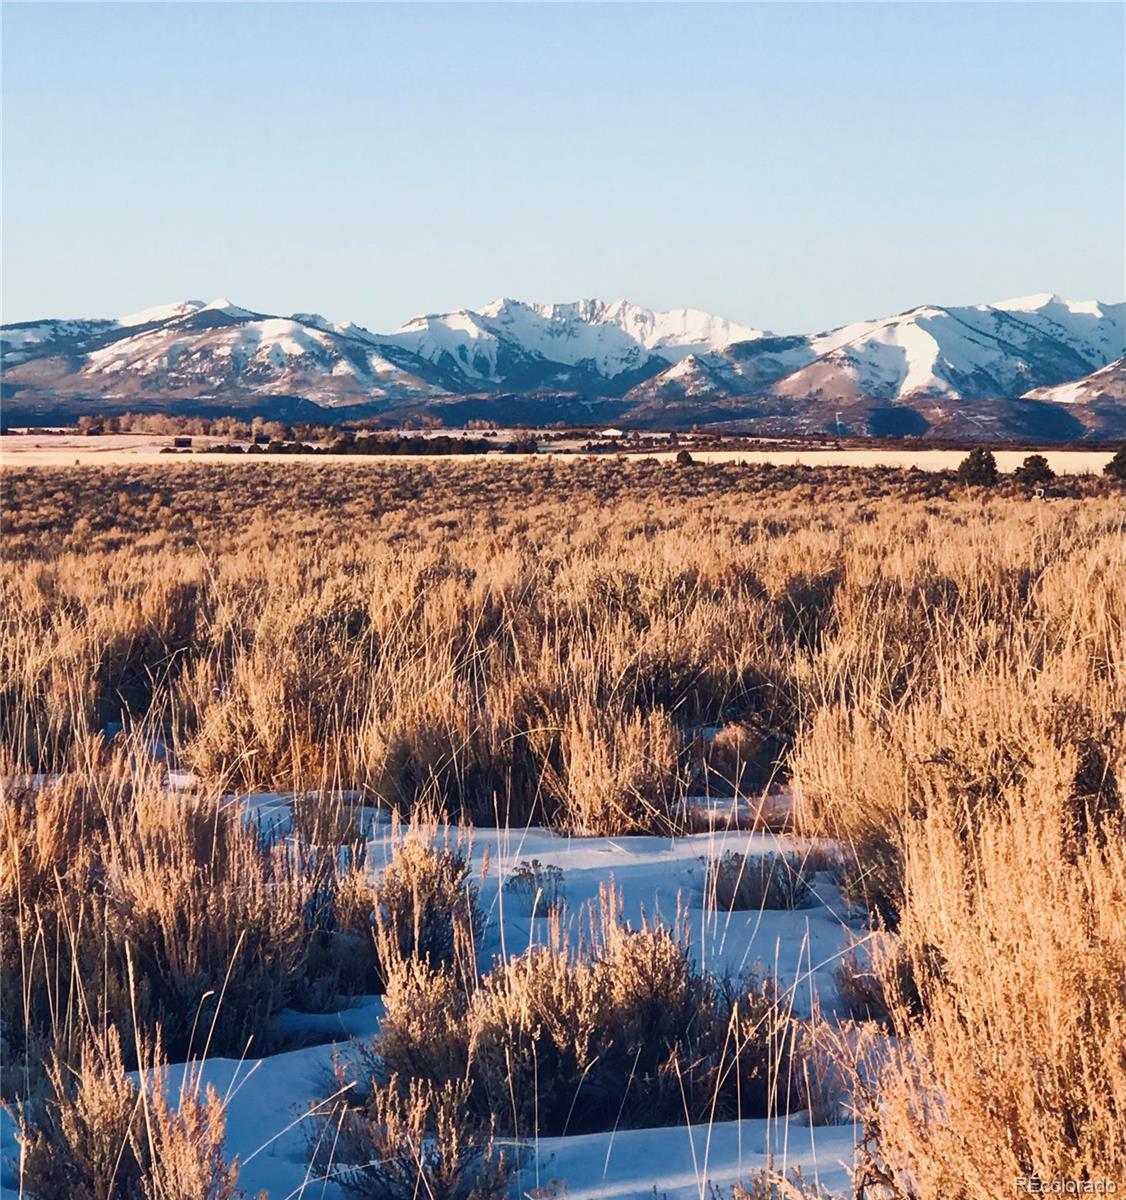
(135, 907)
(1010, 1053)
(939, 671)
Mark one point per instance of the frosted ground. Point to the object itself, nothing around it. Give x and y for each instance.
(268, 1099)
(64, 450)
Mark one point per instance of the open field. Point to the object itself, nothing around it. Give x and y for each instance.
(64, 450)
(559, 828)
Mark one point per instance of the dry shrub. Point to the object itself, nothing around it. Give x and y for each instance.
(206, 906)
(851, 789)
(46, 831)
(806, 604)
(342, 957)
(424, 1031)
(448, 747)
(768, 1184)
(260, 734)
(738, 760)
(623, 1031)
(82, 1140)
(425, 908)
(97, 1135)
(863, 975)
(823, 1057)
(531, 1032)
(976, 791)
(439, 640)
(869, 780)
(535, 887)
(78, 656)
(741, 882)
(186, 1149)
(102, 864)
(410, 1138)
(449, 640)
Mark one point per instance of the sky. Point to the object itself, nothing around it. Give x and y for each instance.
(793, 166)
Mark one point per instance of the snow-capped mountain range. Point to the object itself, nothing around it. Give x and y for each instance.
(977, 352)
(590, 344)
(550, 361)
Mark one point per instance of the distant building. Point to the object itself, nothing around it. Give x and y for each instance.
(611, 433)
(182, 443)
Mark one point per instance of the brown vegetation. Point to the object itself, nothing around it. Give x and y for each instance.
(97, 1135)
(620, 1030)
(940, 671)
(754, 881)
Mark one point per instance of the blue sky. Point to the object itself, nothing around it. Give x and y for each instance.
(790, 165)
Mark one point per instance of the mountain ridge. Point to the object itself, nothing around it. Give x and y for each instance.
(985, 365)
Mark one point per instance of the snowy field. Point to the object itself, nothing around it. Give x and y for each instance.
(63, 450)
(268, 1099)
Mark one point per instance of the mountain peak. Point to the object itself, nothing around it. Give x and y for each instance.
(591, 308)
(162, 312)
(1058, 307)
(496, 307)
(316, 321)
(226, 307)
(1033, 303)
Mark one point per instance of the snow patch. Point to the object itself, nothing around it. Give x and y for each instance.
(163, 312)
(316, 320)
(226, 306)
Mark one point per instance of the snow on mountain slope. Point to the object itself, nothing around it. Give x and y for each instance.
(615, 336)
(743, 369)
(887, 359)
(961, 353)
(227, 308)
(1093, 329)
(272, 355)
(590, 346)
(968, 353)
(163, 312)
(1107, 383)
(509, 341)
(30, 339)
(192, 350)
(459, 340)
(316, 321)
